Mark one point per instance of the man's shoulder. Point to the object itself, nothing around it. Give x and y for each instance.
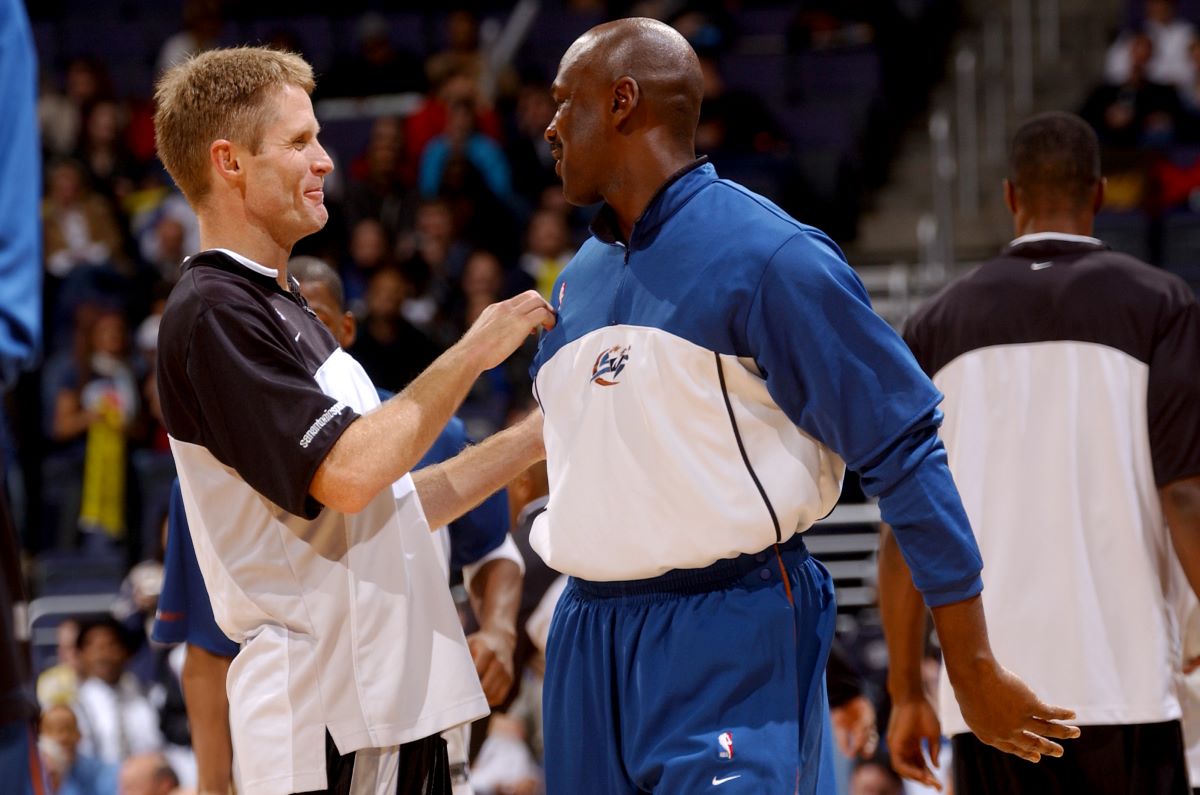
(208, 279)
(752, 212)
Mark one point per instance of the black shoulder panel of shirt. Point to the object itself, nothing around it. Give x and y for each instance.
(1044, 291)
(212, 279)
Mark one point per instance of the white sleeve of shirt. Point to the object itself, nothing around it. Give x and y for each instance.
(506, 551)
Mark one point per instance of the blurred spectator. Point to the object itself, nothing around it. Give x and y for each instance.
(547, 249)
(734, 121)
(482, 284)
(463, 142)
(147, 774)
(1171, 38)
(462, 55)
(429, 120)
(380, 178)
(201, 28)
(1137, 111)
(166, 230)
(370, 249)
(527, 150)
(434, 262)
(79, 227)
(103, 151)
(874, 777)
(378, 67)
(58, 684)
(98, 401)
(115, 717)
(166, 247)
(71, 773)
(391, 349)
(61, 116)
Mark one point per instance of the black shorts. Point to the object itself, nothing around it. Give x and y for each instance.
(1132, 759)
(424, 769)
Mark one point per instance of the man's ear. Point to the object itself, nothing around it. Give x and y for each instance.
(625, 97)
(1010, 197)
(349, 329)
(223, 155)
(1098, 196)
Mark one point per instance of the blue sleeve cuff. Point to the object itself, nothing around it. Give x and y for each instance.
(942, 595)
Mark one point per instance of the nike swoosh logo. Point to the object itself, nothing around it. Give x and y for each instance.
(719, 781)
(1037, 266)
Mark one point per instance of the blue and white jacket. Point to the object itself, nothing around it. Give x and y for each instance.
(708, 383)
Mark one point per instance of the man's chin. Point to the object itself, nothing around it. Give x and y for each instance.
(579, 198)
(317, 221)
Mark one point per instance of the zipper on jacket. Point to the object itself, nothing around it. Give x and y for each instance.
(612, 310)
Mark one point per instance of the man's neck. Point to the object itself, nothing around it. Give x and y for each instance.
(640, 179)
(1067, 224)
(246, 239)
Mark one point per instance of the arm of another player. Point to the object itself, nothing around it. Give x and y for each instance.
(1181, 508)
(494, 585)
(913, 716)
(382, 446)
(203, 679)
(450, 489)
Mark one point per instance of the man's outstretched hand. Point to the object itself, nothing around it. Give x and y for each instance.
(1004, 713)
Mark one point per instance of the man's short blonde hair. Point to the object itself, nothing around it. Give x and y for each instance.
(219, 94)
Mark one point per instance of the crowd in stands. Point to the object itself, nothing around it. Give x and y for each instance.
(442, 202)
(1146, 112)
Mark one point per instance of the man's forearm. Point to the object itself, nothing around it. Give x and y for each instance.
(203, 679)
(450, 489)
(903, 613)
(1181, 508)
(496, 596)
(385, 444)
(382, 446)
(962, 633)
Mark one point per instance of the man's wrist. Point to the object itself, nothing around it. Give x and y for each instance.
(969, 666)
(504, 634)
(904, 688)
(472, 353)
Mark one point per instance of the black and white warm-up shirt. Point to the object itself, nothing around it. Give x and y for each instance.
(1072, 383)
(345, 619)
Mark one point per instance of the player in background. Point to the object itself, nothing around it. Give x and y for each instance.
(1072, 419)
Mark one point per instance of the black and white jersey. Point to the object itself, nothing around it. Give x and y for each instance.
(345, 619)
(1072, 383)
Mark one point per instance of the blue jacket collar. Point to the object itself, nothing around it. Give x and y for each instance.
(674, 193)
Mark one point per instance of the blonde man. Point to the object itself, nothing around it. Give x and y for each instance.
(310, 533)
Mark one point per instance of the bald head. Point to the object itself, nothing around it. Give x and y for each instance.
(146, 774)
(653, 55)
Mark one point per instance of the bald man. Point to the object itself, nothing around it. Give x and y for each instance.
(715, 368)
(147, 774)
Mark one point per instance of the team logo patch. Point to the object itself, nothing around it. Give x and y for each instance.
(725, 740)
(609, 365)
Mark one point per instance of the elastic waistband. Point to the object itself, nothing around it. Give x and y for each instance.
(723, 573)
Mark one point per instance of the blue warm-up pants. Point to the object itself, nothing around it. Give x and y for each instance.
(706, 680)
